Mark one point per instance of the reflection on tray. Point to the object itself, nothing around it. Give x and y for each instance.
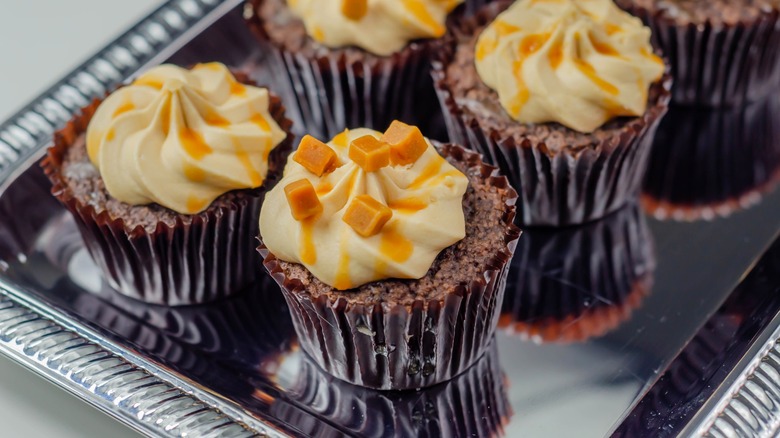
(696, 373)
(709, 163)
(472, 404)
(573, 284)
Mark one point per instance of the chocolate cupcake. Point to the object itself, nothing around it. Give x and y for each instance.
(165, 179)
(722, 52)
(353, 62)
(711, 163)
(577, 283)
(473, 404)
(563, 96)
(392, 254)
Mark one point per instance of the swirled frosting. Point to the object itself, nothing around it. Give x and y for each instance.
(181, 138)
(427, 216)
(382, 27)
(575, 62)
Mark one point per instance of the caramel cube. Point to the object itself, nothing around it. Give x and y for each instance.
(354, 9)
(406, 142)
(303, 199)
(367, 216)
(315, 156)
(369, 153)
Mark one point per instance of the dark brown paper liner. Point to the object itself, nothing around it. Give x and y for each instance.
(716, 64)
(711, 163)
(573, 284)
(189, 263)
(473, 404)
(393, 346)
(555, 188)
(336, 90)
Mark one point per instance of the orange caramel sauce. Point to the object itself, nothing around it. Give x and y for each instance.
(194, 144)
(308, 250)
(408, 205)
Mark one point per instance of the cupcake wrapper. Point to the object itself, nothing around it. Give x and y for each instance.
(392, 346)
(716, 64)
(577, 283)
(473, 404)
(330, 92)
(209, 258)
(709, 163)
(555, 188)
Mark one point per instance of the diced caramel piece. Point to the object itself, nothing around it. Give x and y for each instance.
(354, 9)
(315, 156)
(367, 216)
(406, 142)
(369, 153)
(303, 200)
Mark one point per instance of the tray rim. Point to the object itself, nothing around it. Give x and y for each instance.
(155, 402)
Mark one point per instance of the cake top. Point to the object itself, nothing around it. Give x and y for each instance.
(576, 62)
(381, 27)
(364, 207)
(181, 138)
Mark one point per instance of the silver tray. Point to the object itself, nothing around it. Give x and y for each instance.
(629, 326)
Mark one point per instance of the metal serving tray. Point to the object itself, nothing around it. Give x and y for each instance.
(629, 326)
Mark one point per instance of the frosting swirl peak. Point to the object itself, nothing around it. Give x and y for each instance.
(576, 62)
(382, 27)
(374, 214)
(182, 138)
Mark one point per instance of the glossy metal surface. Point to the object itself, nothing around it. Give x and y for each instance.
(601, 323)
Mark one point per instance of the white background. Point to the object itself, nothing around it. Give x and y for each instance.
(40, 41)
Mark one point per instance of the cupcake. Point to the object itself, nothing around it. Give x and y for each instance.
(709, 163)
(165, 178)
(563, 96)
(391, 253)
(577, 283)
(475, 403)
(353, 62)
(722, 52)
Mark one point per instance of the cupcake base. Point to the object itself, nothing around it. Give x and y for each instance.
(156, 255)
(334, 89)
(563, 177)
(404, 334)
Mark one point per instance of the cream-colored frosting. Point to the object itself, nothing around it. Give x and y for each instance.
(387, 26)
(576, 62)
(181, 138)
(425, 197)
